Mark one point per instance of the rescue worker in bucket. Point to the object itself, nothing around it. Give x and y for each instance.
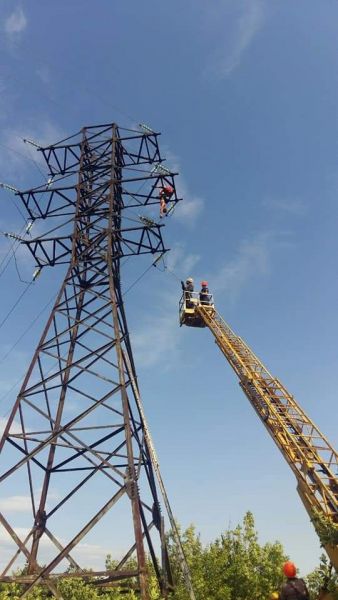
(188, 288)
(205, 296)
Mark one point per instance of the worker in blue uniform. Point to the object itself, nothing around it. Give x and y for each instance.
(205, 296)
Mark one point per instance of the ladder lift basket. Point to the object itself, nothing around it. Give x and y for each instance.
(188, 309)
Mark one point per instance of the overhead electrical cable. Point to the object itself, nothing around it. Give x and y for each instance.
(18, 271)
(34, 161)
(12, 249)
(5, 319)
(19, 210)
(37, 317)
(23, 156)
(32, 323)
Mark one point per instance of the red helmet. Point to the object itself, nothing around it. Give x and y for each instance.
(204, 283)
(289, 569)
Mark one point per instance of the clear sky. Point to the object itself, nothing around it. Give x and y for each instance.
(245, 93)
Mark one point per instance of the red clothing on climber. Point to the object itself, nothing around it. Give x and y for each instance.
(165, 194)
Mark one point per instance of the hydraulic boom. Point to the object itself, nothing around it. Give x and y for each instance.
(310, 456)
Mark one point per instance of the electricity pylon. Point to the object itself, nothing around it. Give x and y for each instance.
(75, 442)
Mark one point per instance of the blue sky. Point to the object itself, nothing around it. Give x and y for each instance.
(245, 93)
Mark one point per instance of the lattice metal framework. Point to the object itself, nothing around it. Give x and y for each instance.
(75, 442)
(309, 454)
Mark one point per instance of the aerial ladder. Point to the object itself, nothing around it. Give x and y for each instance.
(309, 454)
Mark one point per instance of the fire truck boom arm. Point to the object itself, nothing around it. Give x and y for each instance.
(309, 454)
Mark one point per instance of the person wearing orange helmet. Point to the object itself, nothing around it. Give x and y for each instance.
(205, 296)
(294, 588)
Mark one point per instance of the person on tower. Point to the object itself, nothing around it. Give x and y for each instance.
(166, 193)
(294, 588)
(205, 296)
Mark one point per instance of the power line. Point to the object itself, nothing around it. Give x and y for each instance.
(15, 304)
(34, 161)
(49, 302)
(137, 280)
(8, 392)
(23, 156)
(13, 248)
(34, 321)
(153, 264)
(17, 270)
(5, 257)
(9, 250)
(19, 210)
(26, 330)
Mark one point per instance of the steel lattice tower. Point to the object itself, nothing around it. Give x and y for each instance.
(96, 459)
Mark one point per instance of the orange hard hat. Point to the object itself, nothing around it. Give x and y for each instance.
(289, 569)
(204, 283)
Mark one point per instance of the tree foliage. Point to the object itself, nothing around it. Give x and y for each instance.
(235, 566)
(326, 529)
(323, 580)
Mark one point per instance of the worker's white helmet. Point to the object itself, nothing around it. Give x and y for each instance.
(190, 280)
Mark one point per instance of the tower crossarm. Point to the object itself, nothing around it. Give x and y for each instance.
(80, 184)
(64, 156)
(55, 200)
(133, 241)
(310, 456)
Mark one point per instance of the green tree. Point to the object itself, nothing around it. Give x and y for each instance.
(194, 554)
(242, 569)
(233, 567)
(323, 579)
